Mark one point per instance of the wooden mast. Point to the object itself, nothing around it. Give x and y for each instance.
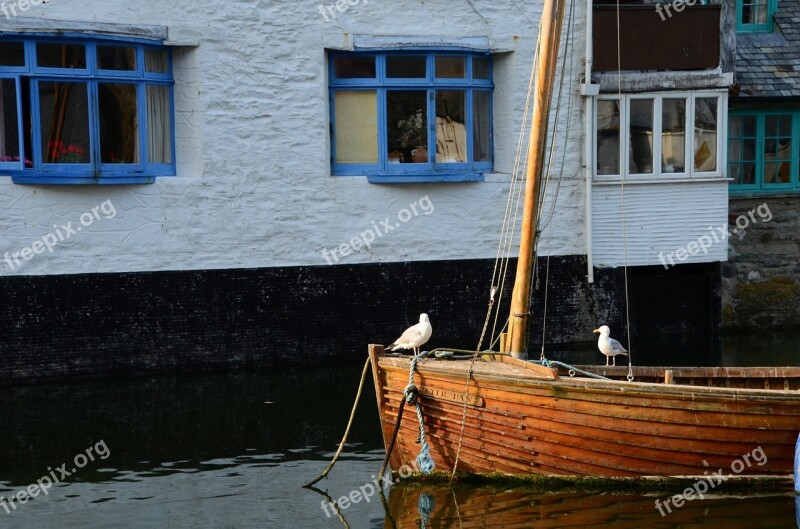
(548, 46)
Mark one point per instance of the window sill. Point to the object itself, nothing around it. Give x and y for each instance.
(604, 181)
(424, 178)
(750, 194)
(81, 180)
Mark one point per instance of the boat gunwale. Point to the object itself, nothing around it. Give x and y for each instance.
(436, 366)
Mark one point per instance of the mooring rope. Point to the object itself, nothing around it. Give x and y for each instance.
(347, 430)
(410, 395)
(424, 461)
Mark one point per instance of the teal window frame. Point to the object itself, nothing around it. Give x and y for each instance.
(760, 186)
(766, 27)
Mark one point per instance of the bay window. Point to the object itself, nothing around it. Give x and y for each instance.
(646, 136)
(85, 111)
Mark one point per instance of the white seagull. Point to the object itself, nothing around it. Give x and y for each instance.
(609, 346)
(414, 336)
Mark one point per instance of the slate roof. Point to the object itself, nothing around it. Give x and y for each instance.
(768, 64)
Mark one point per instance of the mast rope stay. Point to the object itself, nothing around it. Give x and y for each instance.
(551, 155)
(511, 215)
(630, 376)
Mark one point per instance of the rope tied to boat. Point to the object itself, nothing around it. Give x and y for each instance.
(411, 392)
(572, 370)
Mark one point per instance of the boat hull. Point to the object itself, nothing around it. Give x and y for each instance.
(523, 419)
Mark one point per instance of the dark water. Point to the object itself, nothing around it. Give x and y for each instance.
(231, 451)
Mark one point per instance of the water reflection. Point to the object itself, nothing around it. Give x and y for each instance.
(232, 450)
(429, 506)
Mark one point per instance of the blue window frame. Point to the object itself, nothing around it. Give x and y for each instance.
(763, 151)
(755, 16)
(85, 110)
(411, 116)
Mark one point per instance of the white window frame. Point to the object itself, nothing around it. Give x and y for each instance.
(689, 148)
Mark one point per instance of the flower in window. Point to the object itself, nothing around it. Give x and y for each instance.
(412, 130)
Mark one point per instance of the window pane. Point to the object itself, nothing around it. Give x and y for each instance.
(777, 149)
(481, 139)
(673, 136)
(749, 173)
(480, 68)
(356, 127)
(9, 133)
(407, 121)
(64, 122)
(705, 134)
(354, 67)
(641, 137)
(159, 124)
(156, 61)
(119, 123)
(735, 172)
(607, 137)
(451, 67)
(451, 130)
(401, 67)
(749, 129)
(754, 12)
(61, 55)
(116, 58)
(12, 54)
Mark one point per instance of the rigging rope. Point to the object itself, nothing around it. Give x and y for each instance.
(622, 198)
(516, 187)
(549, 224)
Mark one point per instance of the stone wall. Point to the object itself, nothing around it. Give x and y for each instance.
(761, 280)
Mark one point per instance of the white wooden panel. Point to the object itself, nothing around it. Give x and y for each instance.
(660, 219)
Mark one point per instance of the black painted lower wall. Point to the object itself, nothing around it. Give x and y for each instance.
(82, 326)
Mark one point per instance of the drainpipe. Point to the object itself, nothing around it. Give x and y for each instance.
(588, 91)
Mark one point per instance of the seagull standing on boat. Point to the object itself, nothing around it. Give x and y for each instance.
(414, 336)
(609, 346)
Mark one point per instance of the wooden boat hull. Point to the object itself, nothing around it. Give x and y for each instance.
(523, 419)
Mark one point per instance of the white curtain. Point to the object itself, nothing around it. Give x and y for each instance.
(156, 61)
(159, 124)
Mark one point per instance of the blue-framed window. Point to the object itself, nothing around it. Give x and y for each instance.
(412, 116)
(755, 16)
(85, 110)
(763, 151)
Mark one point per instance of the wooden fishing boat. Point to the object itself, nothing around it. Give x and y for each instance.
(498, 413)
(523, 418)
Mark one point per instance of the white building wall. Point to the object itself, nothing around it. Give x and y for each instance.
(659, 219)
(254, 187)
